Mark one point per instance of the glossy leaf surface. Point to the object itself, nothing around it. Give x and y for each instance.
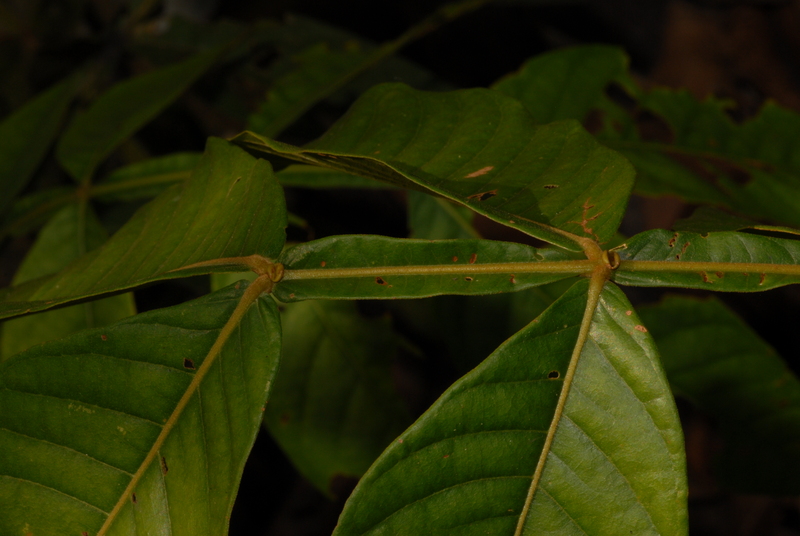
(74, 228)
(481, 149)
(139, 428)
(123, 110)
(232, 206)
(333, 408)
(751, 250)
(146, 179)
(382, 255)
(719, 363)
(26, 135)
(467, 466)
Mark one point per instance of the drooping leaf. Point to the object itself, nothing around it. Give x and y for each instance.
(232, 206)
(146, 179)
(26, 135)
(478, 148)
(333, 408)
(718, 362)
(518, 446)
(387, 268)
(72, 230)
(123, 110)
(141, 427)
(749, 262)
(316, 177)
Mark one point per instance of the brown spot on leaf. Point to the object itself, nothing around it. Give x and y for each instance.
(379, 280)
(629, 313)
(483, 196)
(719, 275)
(584, 223)
(473, 258)
(672, 240)
(133, 498)
(550, 186)
(554, 375)
(399, 440)
(104, 337)
(482, 171)
(761, 279)
(164, 468)
(188, 363)
(705, 278)
(291, 295)
(455, 259)
(446, 456)
(683, 250)
(640, 328)
(513, 279)
(323, 263)
(285, 418)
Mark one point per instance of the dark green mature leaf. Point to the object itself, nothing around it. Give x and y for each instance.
(26, 135)
(123, 110)
(466, 467)
(232, 206)
(710, 219)
(381, 257)
(148, 401)
(73, 230)
(759, 256)
(568, 83)
(290, 96)
(316, 177)
(481, 149)
(333, 408)
(718, 362)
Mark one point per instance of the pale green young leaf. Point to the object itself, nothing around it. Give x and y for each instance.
(333, 408)
(122, 111)
(231, 206)
(138, 428)
(62, 240)
(498, 453)
(480, 149)
(720, 364)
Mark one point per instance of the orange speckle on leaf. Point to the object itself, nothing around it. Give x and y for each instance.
(323, 263)
(629, 313)
(455, 259)
(640, 328)
(473, 258)
(104, 337)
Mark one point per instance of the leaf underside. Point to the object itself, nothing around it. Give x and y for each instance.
(466, 466)
(79, 416)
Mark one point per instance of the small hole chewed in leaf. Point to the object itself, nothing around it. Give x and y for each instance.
(550, 186)
(483, 196)
(379, 280)
(134, 500)
(554, 375)
(468, 278)
(188, 363)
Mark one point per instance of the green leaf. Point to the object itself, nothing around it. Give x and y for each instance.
(743, 262)
(146, 179)
(381, 267)
(26, 135)
(480, 149)
(123, 110)
(710, 219)
(333, 408)
(143, 426)
(232, 206)
(316, 177)
(718, 362)
(73, 229)
(435, 218)
(316, 69)
(568, 83)
(518, 446)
